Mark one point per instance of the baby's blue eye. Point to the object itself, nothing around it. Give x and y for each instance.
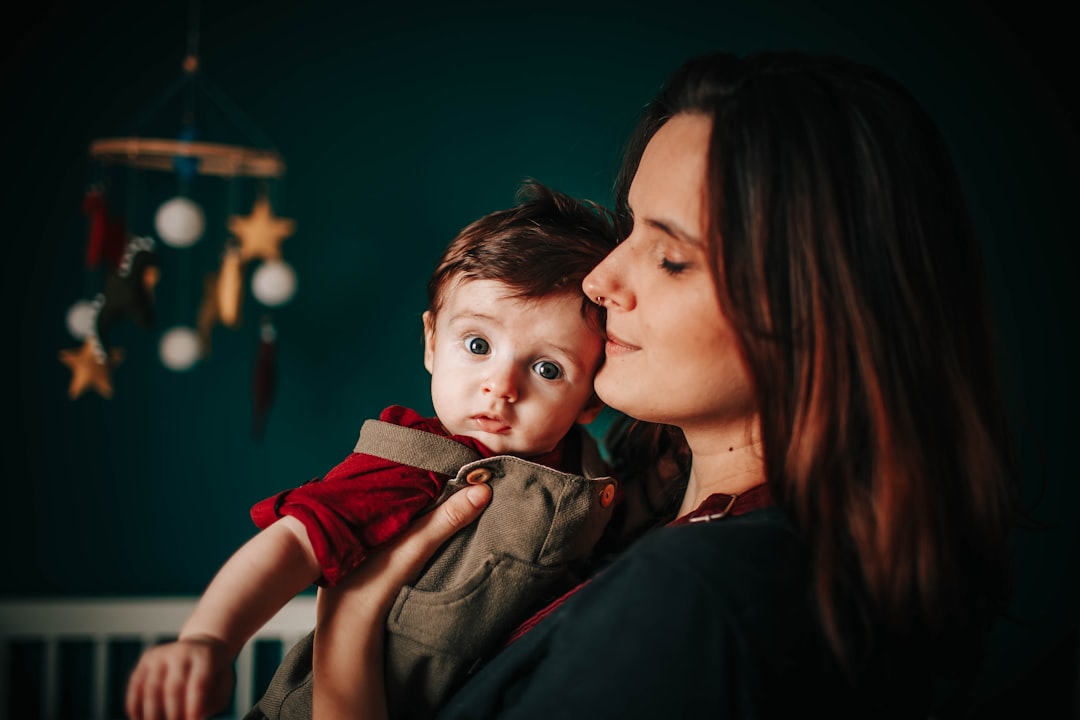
(548, 370)
(477, 346)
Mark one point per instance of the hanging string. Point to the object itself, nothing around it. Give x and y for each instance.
(188, 131)
(92, 281)
(230, 110)
(144, 118)
(132, 196)
(275, 190)
(196, 83)
(191, 62)
(232, 200)
(256, 136)
(186, 167)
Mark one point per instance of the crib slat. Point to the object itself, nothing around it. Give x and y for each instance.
(98, 697)
(5, 676)
(244, 669)
(51, 662)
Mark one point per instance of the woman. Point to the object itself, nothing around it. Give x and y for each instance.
(800, 294)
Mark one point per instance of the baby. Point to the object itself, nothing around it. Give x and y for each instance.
(512, 347)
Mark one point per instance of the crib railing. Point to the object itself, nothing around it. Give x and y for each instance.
(70, 658)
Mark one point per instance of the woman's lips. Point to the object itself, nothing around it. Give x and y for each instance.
(490, 424)
(615, 346)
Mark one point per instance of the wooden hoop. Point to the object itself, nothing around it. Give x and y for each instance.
(214, 158)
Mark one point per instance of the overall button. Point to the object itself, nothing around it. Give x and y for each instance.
(607, 495)
(478, 475)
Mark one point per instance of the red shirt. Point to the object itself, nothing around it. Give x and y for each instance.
(367, 500)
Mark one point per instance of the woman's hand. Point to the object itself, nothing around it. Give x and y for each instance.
(189, 679)
(348, 653)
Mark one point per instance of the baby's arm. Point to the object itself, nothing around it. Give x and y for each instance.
(191, 678)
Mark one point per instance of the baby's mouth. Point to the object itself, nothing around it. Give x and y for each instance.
(490, 424)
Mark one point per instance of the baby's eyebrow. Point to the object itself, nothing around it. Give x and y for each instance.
(471, 315)
(567, 353)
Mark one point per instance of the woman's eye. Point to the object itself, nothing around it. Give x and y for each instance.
(477, 346)
(672, 268)
(548, 370)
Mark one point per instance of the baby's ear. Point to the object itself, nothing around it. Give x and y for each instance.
(429, 340)
(591, 410)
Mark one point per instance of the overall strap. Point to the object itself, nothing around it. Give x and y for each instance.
(415, 448)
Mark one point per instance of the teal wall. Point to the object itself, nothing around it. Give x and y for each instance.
(399, 125)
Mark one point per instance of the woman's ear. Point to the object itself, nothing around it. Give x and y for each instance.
(429, 340)
(591, 410)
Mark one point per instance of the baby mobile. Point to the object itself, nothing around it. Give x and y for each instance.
(134, 244)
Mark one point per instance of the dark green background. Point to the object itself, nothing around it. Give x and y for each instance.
(399, 125)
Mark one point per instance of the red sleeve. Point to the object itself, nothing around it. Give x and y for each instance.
(360, 504)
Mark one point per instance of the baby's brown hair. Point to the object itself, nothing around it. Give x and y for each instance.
(545, 244)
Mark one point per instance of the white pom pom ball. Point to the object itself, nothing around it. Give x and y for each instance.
(179, 348)
(273, 283)
(80, 319)
(180, 222)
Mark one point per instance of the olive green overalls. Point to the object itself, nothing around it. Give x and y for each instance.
(487, 579)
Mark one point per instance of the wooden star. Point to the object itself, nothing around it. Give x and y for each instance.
(260, 233)
(89, 370)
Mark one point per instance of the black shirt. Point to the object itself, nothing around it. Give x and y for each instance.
(713, 619)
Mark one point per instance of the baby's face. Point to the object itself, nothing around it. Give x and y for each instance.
(514, 374)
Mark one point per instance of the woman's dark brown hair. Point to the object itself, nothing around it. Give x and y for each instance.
(845, 257)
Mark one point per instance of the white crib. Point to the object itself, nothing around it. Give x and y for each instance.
(61, 658)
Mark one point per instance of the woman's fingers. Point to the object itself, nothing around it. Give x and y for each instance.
(369, 591)
(438, 526)
(399, 561)
(352, 614)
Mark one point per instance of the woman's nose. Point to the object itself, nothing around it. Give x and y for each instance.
(603, 285)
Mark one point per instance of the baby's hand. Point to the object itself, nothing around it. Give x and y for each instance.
(189, 679)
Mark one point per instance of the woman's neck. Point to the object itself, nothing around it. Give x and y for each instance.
(729, 462)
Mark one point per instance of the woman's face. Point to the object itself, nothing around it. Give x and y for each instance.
(671, 356)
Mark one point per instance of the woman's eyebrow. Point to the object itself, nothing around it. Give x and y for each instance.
(671, 228)
(667, 226)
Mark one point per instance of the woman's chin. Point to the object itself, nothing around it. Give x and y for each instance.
(607, 390)
(620, 396)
